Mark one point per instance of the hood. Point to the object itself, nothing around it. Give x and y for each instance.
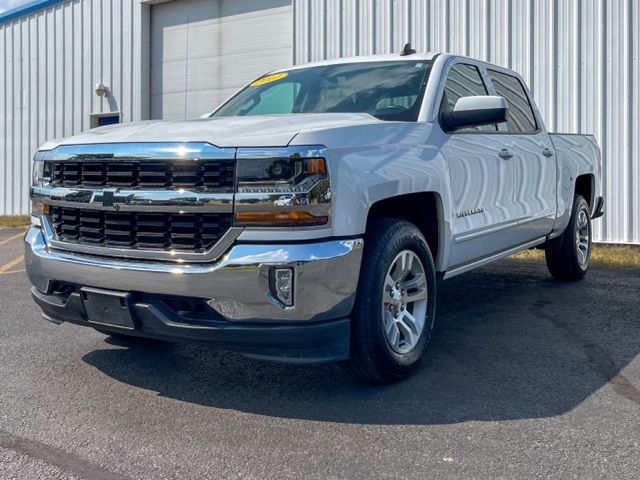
(257, 131)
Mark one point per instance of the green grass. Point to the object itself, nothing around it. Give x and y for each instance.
(9, 221)
(601, 254)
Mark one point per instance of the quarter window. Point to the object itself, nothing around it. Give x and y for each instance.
(464, 80)
(520, 117)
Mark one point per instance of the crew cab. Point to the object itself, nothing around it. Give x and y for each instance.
(311, 216)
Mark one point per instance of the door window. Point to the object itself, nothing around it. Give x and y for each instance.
(464, 80)
(520, 117)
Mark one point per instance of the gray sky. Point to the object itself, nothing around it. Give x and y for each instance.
(11, 4)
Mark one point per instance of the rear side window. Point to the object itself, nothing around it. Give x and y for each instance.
(464, 81)
(520, 118)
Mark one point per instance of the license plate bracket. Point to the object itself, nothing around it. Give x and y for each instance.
(107, 307)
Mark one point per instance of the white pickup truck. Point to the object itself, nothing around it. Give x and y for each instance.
(309, 218)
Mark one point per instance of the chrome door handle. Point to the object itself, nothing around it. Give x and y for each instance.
(547, 152)
(506, 153)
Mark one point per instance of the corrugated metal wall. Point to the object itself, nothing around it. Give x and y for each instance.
(50, 61)
(579, 57)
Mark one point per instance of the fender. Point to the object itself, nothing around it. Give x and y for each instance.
(370, 163)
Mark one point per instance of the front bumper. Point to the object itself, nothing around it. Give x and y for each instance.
(244, 314)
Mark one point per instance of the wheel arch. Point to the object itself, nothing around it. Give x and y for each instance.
(585, 186)
(423, 209)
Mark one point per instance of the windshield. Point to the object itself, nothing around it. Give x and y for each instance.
(389, 90)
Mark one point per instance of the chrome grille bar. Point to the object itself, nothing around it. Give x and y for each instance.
(195, 232)
(161, 175)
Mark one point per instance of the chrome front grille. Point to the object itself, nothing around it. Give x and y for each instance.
(159, 201)
(192, 232)
(175, 174)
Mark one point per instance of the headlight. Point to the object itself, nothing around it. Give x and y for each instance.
(37, 175)
(41, 172)
(282, 188)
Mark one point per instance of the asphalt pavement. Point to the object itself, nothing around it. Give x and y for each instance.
(526, 377)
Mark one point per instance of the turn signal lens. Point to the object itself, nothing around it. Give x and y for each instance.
(280, 219)
(38, 209)
(316, 166)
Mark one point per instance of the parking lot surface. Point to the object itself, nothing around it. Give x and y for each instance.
(526, 377)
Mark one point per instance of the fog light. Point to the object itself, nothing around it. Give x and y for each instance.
(282, 285)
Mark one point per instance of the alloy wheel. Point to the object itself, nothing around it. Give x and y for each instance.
(404, 302)
(583, 233)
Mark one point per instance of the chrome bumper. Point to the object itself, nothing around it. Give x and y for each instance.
(236, 286)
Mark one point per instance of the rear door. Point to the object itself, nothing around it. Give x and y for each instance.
(481, 174)
(534, 160)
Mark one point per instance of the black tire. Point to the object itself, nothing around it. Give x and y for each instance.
(564, 260)
(372, 359)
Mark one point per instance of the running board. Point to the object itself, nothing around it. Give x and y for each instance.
(496, 256)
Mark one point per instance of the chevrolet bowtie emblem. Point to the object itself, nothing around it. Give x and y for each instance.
(109, 198)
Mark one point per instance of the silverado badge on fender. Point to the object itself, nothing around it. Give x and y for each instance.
(466, 213)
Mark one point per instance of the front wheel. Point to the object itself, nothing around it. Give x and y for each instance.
(568, 255)
(395, 304)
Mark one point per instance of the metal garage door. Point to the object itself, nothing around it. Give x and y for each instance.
(204, 50)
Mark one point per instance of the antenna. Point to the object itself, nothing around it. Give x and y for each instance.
(407, 50)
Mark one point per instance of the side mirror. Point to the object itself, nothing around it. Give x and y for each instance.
(476, 111)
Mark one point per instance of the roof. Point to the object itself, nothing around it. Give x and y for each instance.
(30, 7)
(426, 56)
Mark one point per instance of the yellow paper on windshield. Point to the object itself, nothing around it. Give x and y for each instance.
(269, 78)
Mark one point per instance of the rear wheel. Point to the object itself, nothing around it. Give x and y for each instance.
(568, 255)
(395, 305)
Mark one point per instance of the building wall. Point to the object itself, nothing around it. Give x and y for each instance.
(50, 61)
(579, 57)
(203, 51)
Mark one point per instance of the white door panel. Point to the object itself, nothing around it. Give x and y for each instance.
(482, 194)
(535, 185)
